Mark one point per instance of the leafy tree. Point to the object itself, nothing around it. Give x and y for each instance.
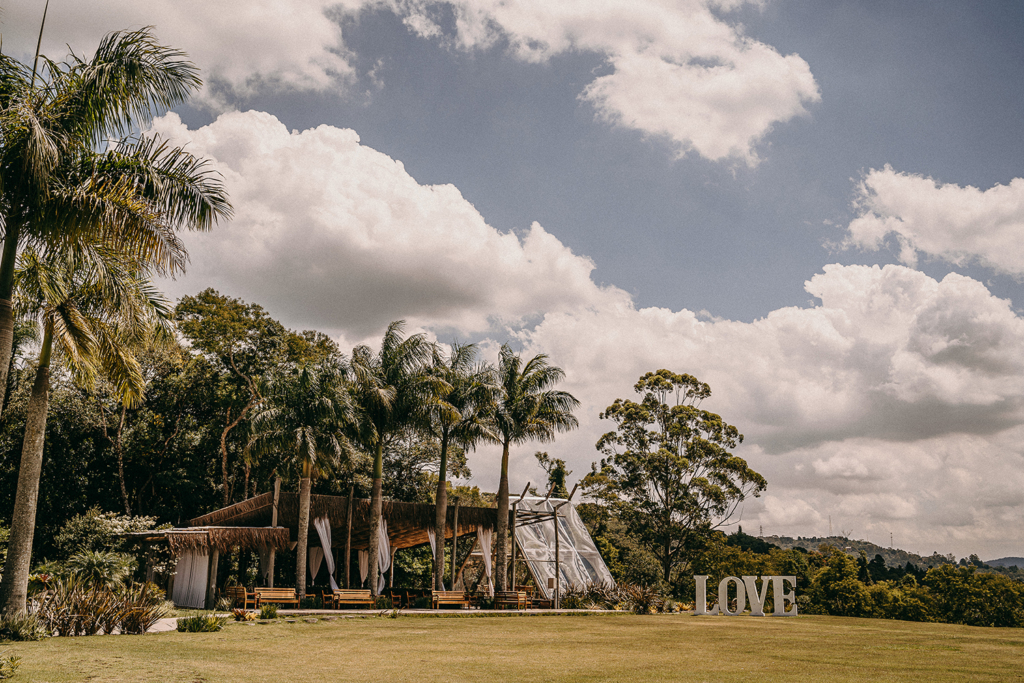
(557, 473)
(392, 393)
(303, 423)
(94, 310)
(459, 421)
(668, 471)
(245, 344)
(526, 409)
(836, 590)
(61, 184)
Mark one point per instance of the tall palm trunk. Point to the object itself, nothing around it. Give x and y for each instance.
(300, 555)
(376, 505)
(441, 515)
(14, 587)
(501, 550)
(7, 264)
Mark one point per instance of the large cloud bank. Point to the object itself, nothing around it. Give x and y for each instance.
(947, 221)
(893, 404)
(678, 70)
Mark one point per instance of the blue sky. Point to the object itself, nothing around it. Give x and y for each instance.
(816, 207)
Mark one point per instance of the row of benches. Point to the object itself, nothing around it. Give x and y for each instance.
(242, 597)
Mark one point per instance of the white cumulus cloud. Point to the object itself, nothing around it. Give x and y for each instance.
(679, 70)
(947, 221)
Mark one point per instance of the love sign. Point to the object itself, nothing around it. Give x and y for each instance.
(747, 589)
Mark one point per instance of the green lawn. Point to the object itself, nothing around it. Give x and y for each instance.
(563, 648)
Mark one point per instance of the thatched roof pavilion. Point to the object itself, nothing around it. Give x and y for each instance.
(407, 522)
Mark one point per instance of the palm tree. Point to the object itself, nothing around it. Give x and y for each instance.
(56, 189)
(95, 307)
(392, 393)
(527, 409)
(302, 424)
(461, 421)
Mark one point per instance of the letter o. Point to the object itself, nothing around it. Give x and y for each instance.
(723, 596)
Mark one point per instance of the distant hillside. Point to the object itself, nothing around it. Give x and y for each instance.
(894, 557)
(1006, 562)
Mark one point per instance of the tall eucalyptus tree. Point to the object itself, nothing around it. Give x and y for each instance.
(460, 420)
(56, 189)
(95, 308)
(526, 409)
(392, 392)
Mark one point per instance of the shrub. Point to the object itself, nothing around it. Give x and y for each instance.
(73, 607)
(201, 623)
(101, 567)
(268, 611)
(382, 602)
(641, 599)
(22, 626)
(8, 665)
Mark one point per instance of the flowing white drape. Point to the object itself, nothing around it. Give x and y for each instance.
(364, 566)
(190, 579)
(316, 557)
(433, 548)
(383, 554)
(323, 529)
(484, 537)
(264, 553)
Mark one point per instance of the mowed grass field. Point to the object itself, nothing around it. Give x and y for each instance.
(549, 648)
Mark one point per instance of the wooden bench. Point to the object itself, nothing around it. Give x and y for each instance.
(505, 599)
(344, 596)
(240, 597)
(276, 596)
(439, 598)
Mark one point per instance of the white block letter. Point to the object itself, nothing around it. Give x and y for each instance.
(782, 597)
(756, 599)
(723, 596)
(700, 604)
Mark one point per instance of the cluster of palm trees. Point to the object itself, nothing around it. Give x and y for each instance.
(90, 211)
(317, 420)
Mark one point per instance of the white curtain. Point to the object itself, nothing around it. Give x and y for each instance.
(316, 556)
(433, 548)
(323, 529)
(190, 579)
(383, 554)
(364, 566)
(484, 537)
(264, 552)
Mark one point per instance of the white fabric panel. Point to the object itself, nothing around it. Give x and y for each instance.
(484, 537)
(264, 553)
(323, 529)
(433, 549)
(364, 565)
(316, 557)
(383, 554)
(190, 578)
(580, 563)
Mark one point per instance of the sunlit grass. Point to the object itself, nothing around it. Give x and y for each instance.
(605, 648)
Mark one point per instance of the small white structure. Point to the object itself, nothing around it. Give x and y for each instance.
(579, 562)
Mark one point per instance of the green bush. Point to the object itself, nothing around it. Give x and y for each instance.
(74, 607)
(268, 611)
(101, 567)
(8, 666)
(382, 602)
(22, 626)
(201, 623)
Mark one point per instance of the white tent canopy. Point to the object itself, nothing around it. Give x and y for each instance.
(580, 562)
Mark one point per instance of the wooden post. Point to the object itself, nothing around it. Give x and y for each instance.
(455, 543)
(348, 534)
(558, 577)
(515, 514)
(273, 523)
(391, 569)
(211, 584)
